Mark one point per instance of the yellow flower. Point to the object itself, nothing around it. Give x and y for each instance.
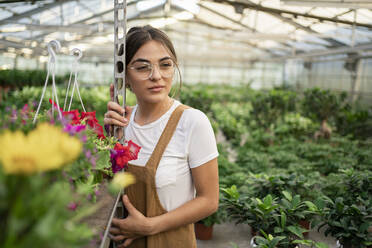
(45, 148)
(123, 179)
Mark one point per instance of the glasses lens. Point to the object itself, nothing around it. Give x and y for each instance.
(166, 68)
(144, 70)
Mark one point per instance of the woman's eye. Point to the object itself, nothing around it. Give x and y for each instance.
(166, 65)
(142, 68)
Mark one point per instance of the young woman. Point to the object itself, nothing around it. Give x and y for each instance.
(176, 169)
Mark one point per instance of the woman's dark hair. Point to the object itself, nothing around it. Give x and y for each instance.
(138, 36)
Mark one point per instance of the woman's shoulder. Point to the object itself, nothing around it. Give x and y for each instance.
(194, 117)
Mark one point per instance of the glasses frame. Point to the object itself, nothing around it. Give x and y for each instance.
(152, 66)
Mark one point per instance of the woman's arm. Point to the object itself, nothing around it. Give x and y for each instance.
(205, 203)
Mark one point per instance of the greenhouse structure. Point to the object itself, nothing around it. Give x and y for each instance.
(286, 86)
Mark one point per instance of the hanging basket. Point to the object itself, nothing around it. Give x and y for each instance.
(203, 232)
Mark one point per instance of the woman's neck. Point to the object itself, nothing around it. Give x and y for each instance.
(149, 112)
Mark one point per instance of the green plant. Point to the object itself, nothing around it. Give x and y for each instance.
(268, 107)
(21, 78)
(355, 121)
(267, 241)
(322, 105)
(294, 124)
(230, 119)
(279, 216)
(270, 241)
(253, 211)
(348, 223)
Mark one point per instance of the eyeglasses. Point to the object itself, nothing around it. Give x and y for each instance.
(145, 70)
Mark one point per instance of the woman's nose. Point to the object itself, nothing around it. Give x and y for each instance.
(155, 75)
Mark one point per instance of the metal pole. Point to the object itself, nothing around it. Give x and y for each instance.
(120, 10)
(120, 24)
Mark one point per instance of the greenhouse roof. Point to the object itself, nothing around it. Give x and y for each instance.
(239, 31)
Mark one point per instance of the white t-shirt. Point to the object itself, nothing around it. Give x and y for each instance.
(193, 144)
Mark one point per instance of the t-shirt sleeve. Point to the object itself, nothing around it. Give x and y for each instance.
(202, 145)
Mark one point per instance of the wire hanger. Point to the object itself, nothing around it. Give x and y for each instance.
(78, 54)
(51, 70)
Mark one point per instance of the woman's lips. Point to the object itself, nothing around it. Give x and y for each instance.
(156, 88)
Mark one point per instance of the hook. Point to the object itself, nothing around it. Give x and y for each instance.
(52, 53)
(77, 52)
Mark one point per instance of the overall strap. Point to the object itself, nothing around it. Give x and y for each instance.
(165, 137)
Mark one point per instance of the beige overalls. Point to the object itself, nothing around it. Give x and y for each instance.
(144, 197)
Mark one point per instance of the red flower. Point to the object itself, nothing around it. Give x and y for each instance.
(54, 104)
(91, 120)
(133, 149)
(121, 155)
(89, 117)
(74, 115)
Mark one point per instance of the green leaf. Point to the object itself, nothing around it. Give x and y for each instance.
(268, 200)
(283, 219)
(287, 195)
(296, 201)
(302, 242)
(278, 230)
(296, 230)
(311, 206)
(321, 245)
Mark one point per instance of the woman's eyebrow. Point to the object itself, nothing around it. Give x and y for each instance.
(145, 60)
(165, 58)
(140, 60)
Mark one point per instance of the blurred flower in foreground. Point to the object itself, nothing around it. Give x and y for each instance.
(122, 180)
(45, 148)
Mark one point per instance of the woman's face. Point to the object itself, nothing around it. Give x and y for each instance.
(151, 86)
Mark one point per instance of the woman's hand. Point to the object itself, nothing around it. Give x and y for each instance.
(134, 226)
(115, 115)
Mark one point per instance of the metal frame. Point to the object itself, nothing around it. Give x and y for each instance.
(91, 29)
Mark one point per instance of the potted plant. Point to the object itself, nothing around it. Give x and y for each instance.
(257, 213)
(204, 227)
(270, 241)
(348, 223)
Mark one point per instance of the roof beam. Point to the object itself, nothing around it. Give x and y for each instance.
(311, 55)
(34, 11)
(307, 29)
(239, 23)
(227, 18)
(250, 5)
(86, 19)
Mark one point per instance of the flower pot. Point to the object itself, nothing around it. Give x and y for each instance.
(253, 242)
(338, 245)
(203, 232)
(254, 232)
(305, 224)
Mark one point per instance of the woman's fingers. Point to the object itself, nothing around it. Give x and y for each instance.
(114, 231)
(113, 115)
(113, 118)
(115, 107)
(110, 121)
(126, 243)
(118, 238)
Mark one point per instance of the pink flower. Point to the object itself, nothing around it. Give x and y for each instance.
(72, 206)
(72, 130)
